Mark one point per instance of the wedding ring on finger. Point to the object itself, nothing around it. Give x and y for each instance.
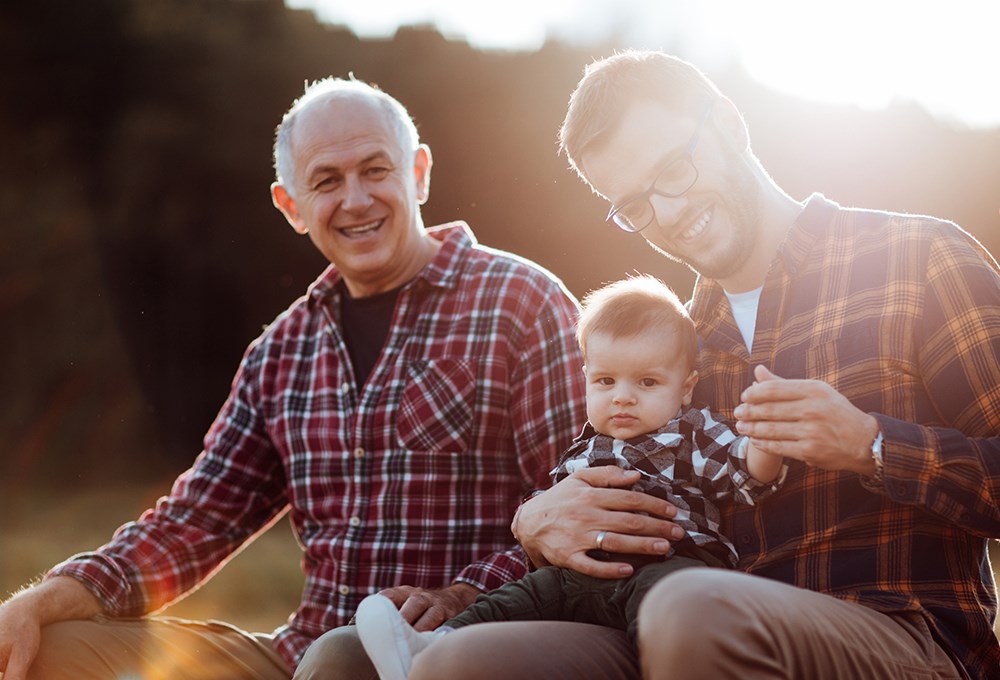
(600, 539)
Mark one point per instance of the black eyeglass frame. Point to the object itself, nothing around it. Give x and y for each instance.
(621, 221)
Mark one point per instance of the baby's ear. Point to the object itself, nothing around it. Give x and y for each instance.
(689, 384)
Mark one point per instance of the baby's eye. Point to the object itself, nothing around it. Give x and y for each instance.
(648, 382)
(606, 381)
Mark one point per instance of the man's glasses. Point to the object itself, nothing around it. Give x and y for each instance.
(673, 180)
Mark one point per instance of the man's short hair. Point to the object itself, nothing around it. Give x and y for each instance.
(635, 305)
(609, 86)
(406, 130)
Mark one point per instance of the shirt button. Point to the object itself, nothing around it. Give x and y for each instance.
(345, 388)
(344, 590)
(354, 521)
(359, 452)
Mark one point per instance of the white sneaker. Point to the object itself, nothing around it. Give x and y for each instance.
(390, 641)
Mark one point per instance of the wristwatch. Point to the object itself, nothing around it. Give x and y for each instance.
(877, 458)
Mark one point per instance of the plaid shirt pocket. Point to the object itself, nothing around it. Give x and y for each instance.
(436, 408)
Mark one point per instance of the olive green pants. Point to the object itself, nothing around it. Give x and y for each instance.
(554, 594)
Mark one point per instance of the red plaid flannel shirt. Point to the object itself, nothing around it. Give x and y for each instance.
(413, 480)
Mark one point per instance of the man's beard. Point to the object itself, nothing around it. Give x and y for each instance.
(742, 205)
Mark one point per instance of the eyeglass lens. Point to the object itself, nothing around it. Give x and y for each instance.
(673, 181)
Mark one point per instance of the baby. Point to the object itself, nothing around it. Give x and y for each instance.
(640, 347)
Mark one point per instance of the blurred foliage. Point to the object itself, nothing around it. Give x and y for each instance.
(141, 253)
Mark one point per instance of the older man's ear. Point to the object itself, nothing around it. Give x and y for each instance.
(284, 202)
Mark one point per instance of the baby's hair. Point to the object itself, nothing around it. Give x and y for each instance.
(635, 305)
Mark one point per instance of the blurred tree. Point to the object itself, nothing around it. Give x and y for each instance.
(142, 253)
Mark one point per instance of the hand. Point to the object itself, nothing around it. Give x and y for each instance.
(428, 609)
(20, 636)
(22, 618)
(561, 525)
(806, 420)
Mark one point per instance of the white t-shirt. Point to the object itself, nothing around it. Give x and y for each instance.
(744, 306)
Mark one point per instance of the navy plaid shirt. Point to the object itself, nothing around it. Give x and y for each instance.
(411, 480)
(901, 315)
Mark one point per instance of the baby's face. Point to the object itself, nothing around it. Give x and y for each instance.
(635, 384)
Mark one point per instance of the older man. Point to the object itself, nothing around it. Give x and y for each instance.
(400, 410)
(871, 562)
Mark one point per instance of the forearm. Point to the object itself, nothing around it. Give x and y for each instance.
(951, 475)
(951, 466)
(148, 563)
(750, 473)
(762, 466)
(23, 616)
(60, 598)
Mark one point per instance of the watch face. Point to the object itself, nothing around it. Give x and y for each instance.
(877, 457)
(877, 447)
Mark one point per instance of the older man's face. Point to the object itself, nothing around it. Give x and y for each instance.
(357, 192)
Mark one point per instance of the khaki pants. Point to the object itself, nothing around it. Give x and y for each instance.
(153, 649)
(337, 655)
(164, 648)
(702, 624)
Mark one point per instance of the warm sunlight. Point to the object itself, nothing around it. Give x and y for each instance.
(940, 55)
(870, 53)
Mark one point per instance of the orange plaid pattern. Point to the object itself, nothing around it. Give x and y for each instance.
(901, 315)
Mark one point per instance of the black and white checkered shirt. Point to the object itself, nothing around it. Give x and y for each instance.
(696, 461)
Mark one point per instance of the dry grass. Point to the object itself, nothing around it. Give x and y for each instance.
(256, 590)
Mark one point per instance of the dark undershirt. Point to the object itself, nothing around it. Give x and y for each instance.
(365, 326)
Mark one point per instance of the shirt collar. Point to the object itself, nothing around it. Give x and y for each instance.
(809, 228)
(693, 415)
(456, 240)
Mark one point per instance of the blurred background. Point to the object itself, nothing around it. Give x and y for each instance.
(141, 252)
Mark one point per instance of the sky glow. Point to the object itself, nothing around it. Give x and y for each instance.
(944, 56)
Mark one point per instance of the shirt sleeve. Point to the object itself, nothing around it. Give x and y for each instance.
(747, 489)
(720, 461)
(235, 488)
(547, 411)
(953, 470)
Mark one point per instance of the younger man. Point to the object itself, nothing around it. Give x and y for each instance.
(639, 345)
